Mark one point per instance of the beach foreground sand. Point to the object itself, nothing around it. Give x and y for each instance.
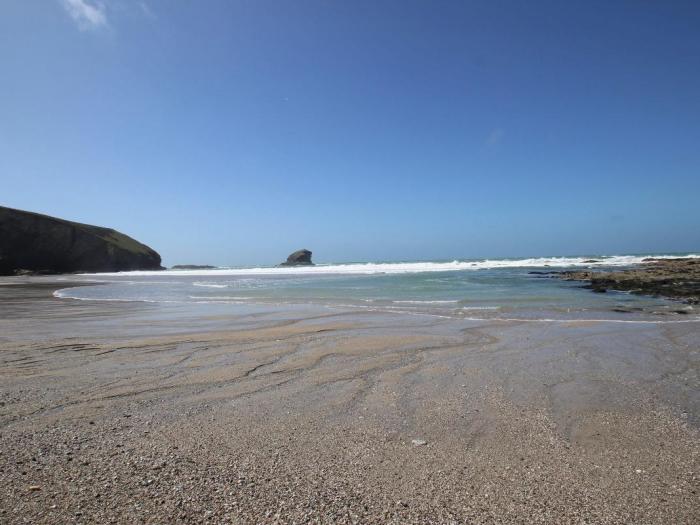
(143, 413)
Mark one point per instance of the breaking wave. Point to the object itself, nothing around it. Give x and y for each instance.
(409, 267)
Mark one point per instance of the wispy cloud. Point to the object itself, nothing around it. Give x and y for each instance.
(88, 14)
(147, 11)
(495, 137)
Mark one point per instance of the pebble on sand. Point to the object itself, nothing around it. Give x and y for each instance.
(419, 442)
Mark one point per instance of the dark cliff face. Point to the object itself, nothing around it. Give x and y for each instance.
(30, 241)
(299, 258)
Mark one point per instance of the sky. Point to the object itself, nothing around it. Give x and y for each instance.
(233, 132)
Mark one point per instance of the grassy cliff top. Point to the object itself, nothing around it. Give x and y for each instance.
(108, 235)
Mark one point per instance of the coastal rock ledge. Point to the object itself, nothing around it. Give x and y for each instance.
(299, 258)
(35, 243)
(677, 279)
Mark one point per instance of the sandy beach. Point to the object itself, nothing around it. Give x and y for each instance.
(126, 412)
(402, 263)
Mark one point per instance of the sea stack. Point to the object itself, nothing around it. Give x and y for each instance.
(35, 243)
(299, 258)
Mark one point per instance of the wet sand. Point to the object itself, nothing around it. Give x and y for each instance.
(143, 413)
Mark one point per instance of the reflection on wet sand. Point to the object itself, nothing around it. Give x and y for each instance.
(132, 412)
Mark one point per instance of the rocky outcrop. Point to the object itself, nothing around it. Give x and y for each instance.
(31, 242)
(299, 258)
(677, 279)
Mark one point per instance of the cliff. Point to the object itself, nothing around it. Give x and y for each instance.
(39, 243)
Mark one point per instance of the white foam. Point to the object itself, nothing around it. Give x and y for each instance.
(480, 308)
(408, 267)
(220, 298)
(63, 294)
(425, 302)
(210, 285)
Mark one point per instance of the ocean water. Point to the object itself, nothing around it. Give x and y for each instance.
(474, 289)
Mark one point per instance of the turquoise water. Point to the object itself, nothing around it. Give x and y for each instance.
(480, 289)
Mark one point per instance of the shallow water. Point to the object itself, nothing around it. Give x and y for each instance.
(484, 289)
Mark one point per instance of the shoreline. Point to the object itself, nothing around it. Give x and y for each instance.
(659, 314)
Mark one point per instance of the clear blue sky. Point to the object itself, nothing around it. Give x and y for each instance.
(233, 132)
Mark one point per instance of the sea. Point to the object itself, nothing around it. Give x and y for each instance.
(479, 289)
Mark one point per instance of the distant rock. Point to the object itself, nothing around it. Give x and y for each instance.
(31, 243)
(591, 261)
(192, 267)
(299, 258)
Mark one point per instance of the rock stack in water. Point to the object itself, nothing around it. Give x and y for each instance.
(299, 258)
(35, 243)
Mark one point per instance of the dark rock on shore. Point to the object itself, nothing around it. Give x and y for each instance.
(677, 279)
(591, 261)
(192, 267)
(31, 243)
(299, 258)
